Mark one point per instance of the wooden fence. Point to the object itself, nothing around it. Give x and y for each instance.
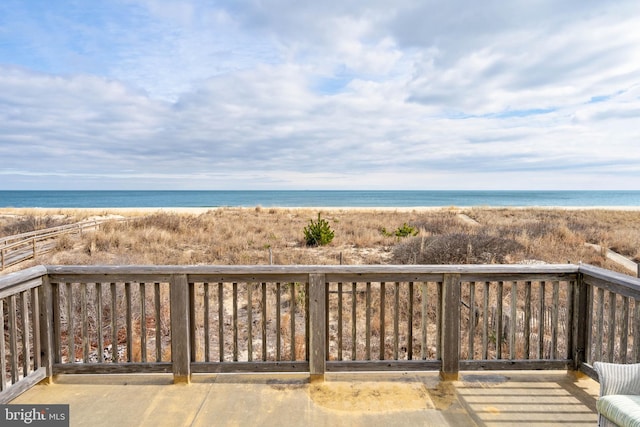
(216, 319)
(20, 247)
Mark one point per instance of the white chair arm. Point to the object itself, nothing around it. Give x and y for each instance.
(618, 378)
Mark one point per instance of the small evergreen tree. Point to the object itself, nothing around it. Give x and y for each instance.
(318, 233)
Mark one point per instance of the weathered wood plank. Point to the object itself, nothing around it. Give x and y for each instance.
(158, 325)
(317, 321)
(527, 320)
(383, 365)
(599, 324)
(13, 338)
(354, 301)
(624, 330)
(240, 367)
(99, 314)
(368, 322)
(114, 323)
(112, 368)
(382, 334)
(472, 320)
(611, 333)
(220, 322)
(410, 324)
(278, 320)
(180, 329)
(15, 390)
(3, 351)
(506, 364)
(26, 340)
(450, 327)
(142, 289)
(340, 323)
(235, 321)
(485, 321)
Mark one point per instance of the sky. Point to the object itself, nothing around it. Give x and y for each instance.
(334, 94)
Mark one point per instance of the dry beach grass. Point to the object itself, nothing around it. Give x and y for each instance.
(263, 235)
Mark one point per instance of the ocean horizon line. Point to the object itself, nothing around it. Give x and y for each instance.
(315, 198)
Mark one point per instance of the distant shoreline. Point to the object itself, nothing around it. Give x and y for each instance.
(201, 210)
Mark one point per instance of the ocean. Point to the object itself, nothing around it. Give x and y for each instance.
(313, 198)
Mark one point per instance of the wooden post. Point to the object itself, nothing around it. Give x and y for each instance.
(46, 327)
(2, 261)
(581, 322)
(180, 334)
(317, 330)
(450, 327)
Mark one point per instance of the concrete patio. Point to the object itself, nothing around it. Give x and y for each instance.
(533, 398)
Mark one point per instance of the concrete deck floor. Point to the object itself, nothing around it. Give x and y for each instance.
(394, 399)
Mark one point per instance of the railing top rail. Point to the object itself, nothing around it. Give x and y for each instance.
(623, 284)
(12, 279)
(497, 269)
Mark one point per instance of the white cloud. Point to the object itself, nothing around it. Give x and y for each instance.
(284, 94)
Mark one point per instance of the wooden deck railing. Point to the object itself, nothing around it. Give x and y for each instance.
(316, 319)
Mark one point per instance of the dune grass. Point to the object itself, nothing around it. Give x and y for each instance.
(263, 235)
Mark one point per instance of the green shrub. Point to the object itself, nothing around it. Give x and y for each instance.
(404, 231)
(318, 233)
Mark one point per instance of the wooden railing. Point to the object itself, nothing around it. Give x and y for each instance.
(317, 319)
(20, 247)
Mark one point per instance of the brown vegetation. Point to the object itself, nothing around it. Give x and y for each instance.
(261, 235)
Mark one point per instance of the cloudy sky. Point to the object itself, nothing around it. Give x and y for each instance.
(334, 94)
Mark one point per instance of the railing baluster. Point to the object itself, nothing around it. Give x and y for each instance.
(339, 321)
(636, 331)
(499, 334)
(235, 321)
(624, 330)
(26, 342)
(35, 325)
(278, 326)
(70, 325)
(368, 323)
(98, 290)
(13, 338)
(114, 323)
(513, 322)
(207, 328)
(554, 319)
(485, 322)
(292, 308)
(220, 322)
(423, 320)
(611, 337)
(158, 324)
(410, 324)
(129, 317)
(541, 319)
(396, 320)
(472, 320)
(3, 351)
(599, 324)
(85, 322)
(527, 319)
(383, 291)
(250, 321)
(143, 321)
(354, 300)
(264, 322)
